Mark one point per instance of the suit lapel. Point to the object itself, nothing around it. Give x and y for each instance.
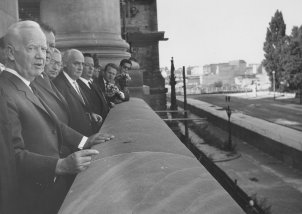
(83, 86)
(99, 92)
(59, 95)
(44, 83)
(101, 84)
(72, 90)
(22, 88)
(101, 96)
(47, 85)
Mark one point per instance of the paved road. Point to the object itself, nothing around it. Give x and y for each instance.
(284, 110)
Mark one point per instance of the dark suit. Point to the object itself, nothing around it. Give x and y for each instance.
(55, 101)
(100, 83)
(37, 135)
(8, 177)
(96, 98)
(52, 97)
(80, 111)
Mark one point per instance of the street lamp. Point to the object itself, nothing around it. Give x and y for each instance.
(173, 83)
(229, 113)
(274, 83)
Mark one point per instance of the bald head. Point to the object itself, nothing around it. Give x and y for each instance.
(73, 61)
(25, 49)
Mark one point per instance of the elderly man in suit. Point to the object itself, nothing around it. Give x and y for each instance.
(95, 96)
(52, 69)
(83, 119)
(37, 133)
(122, 78)
(45, 87)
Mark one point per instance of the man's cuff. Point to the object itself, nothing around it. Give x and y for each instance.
(82, 143)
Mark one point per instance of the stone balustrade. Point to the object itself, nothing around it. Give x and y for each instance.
(144, 169)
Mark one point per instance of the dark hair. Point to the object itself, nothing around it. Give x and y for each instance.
(87, 55)
(47, 28)
(124, 61)
(111, 65)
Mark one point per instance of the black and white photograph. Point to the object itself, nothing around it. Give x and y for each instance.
(150, 107)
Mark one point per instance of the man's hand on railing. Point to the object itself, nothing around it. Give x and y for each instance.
(97, 138)
(75, 162)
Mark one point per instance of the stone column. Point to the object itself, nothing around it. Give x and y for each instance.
(8, 15)
(92, 26)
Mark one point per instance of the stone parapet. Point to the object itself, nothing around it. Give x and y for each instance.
(279, 141)
(144, 169)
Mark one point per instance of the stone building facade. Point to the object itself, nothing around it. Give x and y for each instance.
(140, 30)
(223, 72)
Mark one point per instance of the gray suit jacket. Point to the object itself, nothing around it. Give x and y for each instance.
(8, 176)
(37, 135)
(80, 111)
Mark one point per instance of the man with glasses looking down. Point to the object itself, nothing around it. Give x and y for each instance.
(123, 77)
(53, 68)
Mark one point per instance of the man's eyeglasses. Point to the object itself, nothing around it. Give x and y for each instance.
(53, 62)
(89, 65)
(126, 67)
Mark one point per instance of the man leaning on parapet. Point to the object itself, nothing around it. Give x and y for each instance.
(36, 132)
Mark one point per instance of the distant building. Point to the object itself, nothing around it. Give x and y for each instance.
(223, 72)
(194, 77)
(254, 68)
(255, 74)
(197, 70)
(234, 75)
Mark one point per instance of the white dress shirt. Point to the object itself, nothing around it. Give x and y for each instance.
(86, 81)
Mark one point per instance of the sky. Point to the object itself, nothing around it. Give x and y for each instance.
(203, 32)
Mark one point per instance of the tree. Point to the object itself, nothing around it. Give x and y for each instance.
(274, 46)
(292, 62)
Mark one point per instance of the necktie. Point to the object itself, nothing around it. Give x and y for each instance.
(78, 90)
(90, 85)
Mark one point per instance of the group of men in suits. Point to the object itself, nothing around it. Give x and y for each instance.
(91, 89)
(114, 80)
(47, 128)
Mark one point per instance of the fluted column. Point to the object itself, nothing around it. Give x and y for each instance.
(92, 26)
(8, 14)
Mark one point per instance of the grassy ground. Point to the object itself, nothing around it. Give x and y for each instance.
(284, 110)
